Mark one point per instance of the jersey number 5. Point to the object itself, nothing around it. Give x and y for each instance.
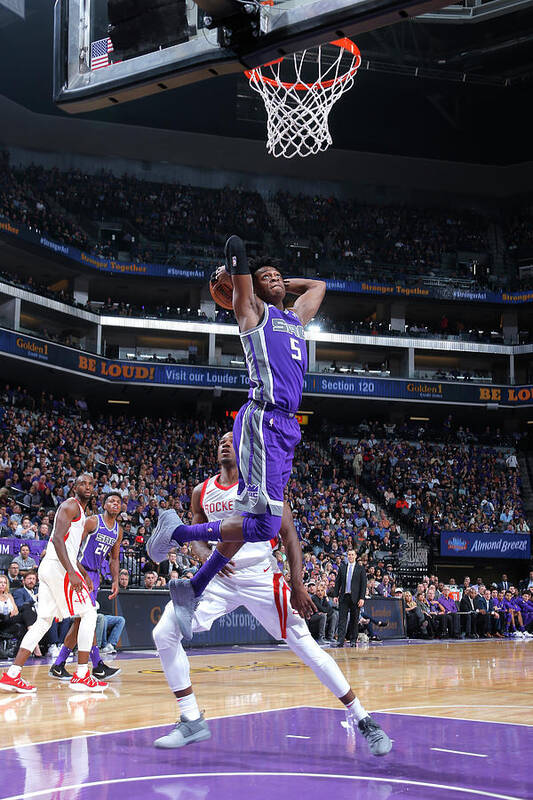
(296, 351)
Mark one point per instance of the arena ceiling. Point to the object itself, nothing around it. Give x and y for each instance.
(437, 90)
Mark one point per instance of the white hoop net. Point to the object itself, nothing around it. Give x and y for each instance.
(297, 102)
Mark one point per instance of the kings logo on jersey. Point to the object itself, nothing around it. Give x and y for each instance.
(253, 492)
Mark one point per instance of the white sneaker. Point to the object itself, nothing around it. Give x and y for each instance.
(528, 635)
(517, 635)
(108, 649)
(53, 651)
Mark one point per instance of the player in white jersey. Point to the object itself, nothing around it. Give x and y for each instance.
(64, 591)
(251, 579)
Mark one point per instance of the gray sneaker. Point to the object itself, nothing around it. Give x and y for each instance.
(378, 741)
(185, 732)
(160, 541)
(185, 603)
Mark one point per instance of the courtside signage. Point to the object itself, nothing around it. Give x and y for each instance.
(93, 366)
(485, 545)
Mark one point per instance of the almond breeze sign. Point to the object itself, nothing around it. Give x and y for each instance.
(485, 545)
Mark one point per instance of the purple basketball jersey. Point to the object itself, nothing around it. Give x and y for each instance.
(276, 359)
(98, 545)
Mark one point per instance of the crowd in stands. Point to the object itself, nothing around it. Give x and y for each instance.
(470, 610)
(173, 223)
(415, 238)
(457, 483)
(45, 441)
(24, 202)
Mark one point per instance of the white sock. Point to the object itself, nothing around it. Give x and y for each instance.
(189, 707)
(13, 671)
(82, 670)
(355, 709)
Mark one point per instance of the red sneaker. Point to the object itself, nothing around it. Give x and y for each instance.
(87, 683)
(16, 685)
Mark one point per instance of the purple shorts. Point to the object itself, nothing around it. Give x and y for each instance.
(95, 577)
(264, 439)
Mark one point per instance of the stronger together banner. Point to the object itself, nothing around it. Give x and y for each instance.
(375, 288)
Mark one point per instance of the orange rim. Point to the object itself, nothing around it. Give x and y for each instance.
(345, 44)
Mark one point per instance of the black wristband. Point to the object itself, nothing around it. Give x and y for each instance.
(236, 259)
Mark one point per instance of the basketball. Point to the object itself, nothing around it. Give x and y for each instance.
(222, 290)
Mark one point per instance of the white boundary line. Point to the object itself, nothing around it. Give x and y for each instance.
(459, 752)
(397, 710)
(147, 727)
(370, 778)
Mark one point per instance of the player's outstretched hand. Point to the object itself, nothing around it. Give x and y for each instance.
(114, 590)
(229, 569)
(301, 602)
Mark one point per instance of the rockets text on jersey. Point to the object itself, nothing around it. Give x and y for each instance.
(218, 502)
(72, 538)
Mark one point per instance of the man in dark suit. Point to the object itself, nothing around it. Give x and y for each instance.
(350, 588)
(469, 613)
(488, 617)
(26, 595)
(504, 583)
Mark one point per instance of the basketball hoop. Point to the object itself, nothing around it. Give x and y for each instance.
(298, 107)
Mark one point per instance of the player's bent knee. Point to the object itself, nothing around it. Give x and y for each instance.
(260, 527)
(165, 635)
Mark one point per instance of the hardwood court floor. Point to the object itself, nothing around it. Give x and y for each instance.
(485, 681)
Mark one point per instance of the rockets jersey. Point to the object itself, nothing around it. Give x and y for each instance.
(98, 544)
(218, 502)
(72, 539)
(276, 359)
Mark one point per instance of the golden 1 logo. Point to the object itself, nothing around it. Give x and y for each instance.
(425, 389)
(511, 394)
(39, 349)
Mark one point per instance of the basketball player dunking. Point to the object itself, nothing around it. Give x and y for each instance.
(265, 432)
(64, 591)
(253, 580)
(102, 537)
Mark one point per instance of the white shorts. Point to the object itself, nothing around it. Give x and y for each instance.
(56, 596)
(263, 592)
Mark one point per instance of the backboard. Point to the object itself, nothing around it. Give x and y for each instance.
(205, 39)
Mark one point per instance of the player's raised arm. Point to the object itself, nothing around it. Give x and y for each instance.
(311, 293)
(66, 514)
(248, 308)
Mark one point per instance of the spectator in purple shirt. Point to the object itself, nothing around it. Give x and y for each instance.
(384, 588)
(437, 611)
(452, 617)
(513, 617)
(524, 604)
